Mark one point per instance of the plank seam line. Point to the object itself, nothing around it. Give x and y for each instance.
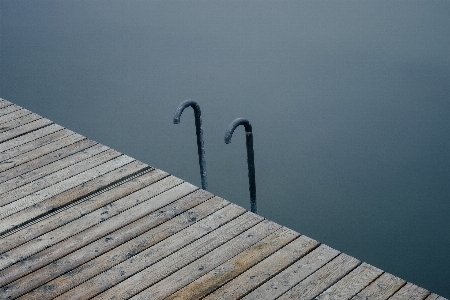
(78, 201)
(29, 112)
(251, 267)
(15, 120)
(274, 274)
(62, 128)
(134, 254)
(334, 258)
(52, 173)
(15, 147)
(49, 153)
(183, 266)
(45, 156)
(51, 122)
(20, 185)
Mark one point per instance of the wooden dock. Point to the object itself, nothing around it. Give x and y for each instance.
(79, 220)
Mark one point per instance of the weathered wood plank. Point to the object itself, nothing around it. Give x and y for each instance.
(295, 273)
(14, 115)
(38, 173)
(151, 255)
(27, 166)
(36, 197)
(22, 236)
(29, 137)
(432, 297)
(351, 284)
(410, 291)
(39, 142)
(217, 268)
(68, 196)
(258, 274)
(219, 255)
(4, 103)
(322, 278)
(7, 135)
(60, 175)
(250, 231)
(18, 121)
(89, 220)
(44, 257)
(31, 155)
(9, 109)
(382, 288)
(116, 247)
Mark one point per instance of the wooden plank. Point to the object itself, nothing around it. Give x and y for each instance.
(29, 137)
(292, 275)
(322, 278)
(250, 231)
(410, 291)
(153, 254)
(260, 273)
(41, 227)
(10, 134)
(47, 139)
(219, 254)
(116, 247)
(36, 197)
(432, 297)
(18, 121)
(27, 166)
(9, 109)
(382, 288)
(14, 115)
(31, 155)
(33, 175)
(218, 267)
(4, 103)
(78, 191)
(60, 175)
(16, 268)
(351, 284)
(89, 220)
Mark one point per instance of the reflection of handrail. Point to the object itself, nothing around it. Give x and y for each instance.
(250, 155)
(199, 132)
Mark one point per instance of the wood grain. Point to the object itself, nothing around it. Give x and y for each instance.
(118, 246)
(264, 270)
(228, 267)
(351, 284)
(410, 291)
(29, 137)
(80, 210)
(39, 142)
(382, 288)
(60, 175)
(152, 255)
(33, 154)
(36, 197)
(322, 278)
(7, 135)
(51, 168)
(18, 121)
(15, 115)
(294, 274)
(29, 165)
(42, 258)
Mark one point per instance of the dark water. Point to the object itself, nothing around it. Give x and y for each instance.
(349, 101)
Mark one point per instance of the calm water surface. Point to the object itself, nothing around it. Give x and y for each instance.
(349, 101)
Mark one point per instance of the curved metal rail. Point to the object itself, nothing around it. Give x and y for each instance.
(199, 133)
(250, 155)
